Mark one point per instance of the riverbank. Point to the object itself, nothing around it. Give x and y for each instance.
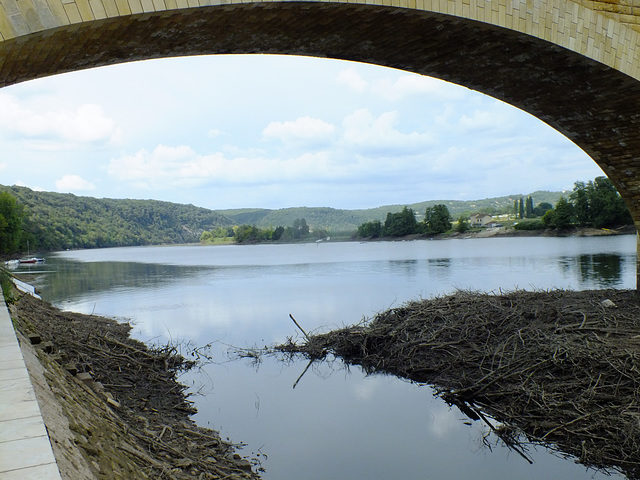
(548, 232)
(485, 232)
(491, 232)
(113, 407)
(553, 368)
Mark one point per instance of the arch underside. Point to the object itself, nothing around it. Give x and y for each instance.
(595, 106)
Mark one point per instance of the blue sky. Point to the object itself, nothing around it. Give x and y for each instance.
(274, 131)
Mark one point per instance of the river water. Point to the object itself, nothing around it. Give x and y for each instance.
(336, 423)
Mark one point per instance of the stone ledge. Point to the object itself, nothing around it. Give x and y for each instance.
(25, 448)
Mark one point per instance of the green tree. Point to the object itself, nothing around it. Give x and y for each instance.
(223, 232)
(463, 224)
(437, 219)
(580, 199)
(520, 208)
(300, 228)
(277, 233)
(528, 207)
(401, 223)
(542, 208)
(597, 203)
(563, 214)
(11, 218)
(246, 233)
(370, 229)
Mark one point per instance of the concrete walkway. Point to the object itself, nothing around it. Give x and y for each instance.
(25, 450)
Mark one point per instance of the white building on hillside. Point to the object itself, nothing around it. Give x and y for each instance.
(479, 220)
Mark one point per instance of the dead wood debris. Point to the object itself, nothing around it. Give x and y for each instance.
(141, 384)
(557, 368)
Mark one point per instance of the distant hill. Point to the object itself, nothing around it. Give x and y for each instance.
(59, 221)
(348, 220)
(317, 217)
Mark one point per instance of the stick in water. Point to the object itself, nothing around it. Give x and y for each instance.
(301, 329)
(302, 374)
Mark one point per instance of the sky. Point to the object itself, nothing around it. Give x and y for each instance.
(246, 131)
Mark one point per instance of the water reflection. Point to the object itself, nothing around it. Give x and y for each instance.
(340, 426)
(404, 267)
(67, 280)
(604, 270)
(525, 364)
(440, 268)
(597, 270)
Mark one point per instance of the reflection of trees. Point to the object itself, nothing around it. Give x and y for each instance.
(440, 262)
(67, 280)
(439, 267)
(603, 270)
(600, 270)
(554, 368)
(406, 267)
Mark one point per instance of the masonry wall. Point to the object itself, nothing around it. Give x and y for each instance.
(623, 11)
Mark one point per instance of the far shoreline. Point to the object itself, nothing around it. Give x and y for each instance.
(493, 232)
(488, 232)
(485, 232)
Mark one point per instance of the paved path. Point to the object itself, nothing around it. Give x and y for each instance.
(25, 450)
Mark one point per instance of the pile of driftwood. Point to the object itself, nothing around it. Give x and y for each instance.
(141, 385)
(556, 368)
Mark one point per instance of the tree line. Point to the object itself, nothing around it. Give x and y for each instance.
(50, 221)
(436, 220)
(594, 203)
(298, 230)
(524, 208)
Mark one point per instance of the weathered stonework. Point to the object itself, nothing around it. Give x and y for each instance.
(573, 64)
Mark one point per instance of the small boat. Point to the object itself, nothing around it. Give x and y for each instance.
(31, 260)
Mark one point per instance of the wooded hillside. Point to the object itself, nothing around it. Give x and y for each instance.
(56, 221)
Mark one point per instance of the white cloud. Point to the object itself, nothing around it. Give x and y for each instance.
(378, 135)
(171, 167)
(367, 389)
(352, 79)
(366, 149)
(305, 130)
(444, 421)
(412, 84)
(402, 136)
(86, 124)
(478, 121)
(74, 183)
(497, 120)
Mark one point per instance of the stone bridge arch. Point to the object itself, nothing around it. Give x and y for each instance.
(573, 64)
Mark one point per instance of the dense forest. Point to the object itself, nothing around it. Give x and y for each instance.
(55, 221)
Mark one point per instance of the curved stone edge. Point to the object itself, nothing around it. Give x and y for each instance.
(25, 448)
(576, 27)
